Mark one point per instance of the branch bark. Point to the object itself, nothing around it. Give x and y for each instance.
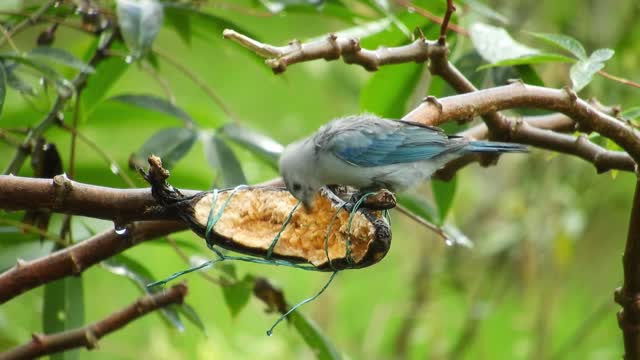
(88, 336)
(629, 295)
(26, 275)
(518, 95)
(64, 195)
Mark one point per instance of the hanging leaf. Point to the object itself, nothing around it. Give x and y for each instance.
(180, 22)
(154, 103)
(223, 161)
(170, 144)
(486, 11)
(190, 313)
(237, 294)
(14, 81)
(59, 56)
(632, 113)
(140, 276)
(45, 70)
(63, 309)
(495, 44)
(261, 145)
(139, 21)
(418, 205)
(313, 337)
(564, 42)
(443, 193)
(108, 71)
(528, 60)
(582, 72)
(202, 24)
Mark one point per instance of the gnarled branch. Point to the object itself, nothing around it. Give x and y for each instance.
(89, 335)
(26, 275)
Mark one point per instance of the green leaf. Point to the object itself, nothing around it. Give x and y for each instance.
(486, 11)
(443, 193)
(223, 161)
(237, 294)
(529, 59)
(108, 71)
(140, 276)
(387, 91)
(528, 74)
(261, 145)
(63, 309)
(495, 44)
(154, 103)
(204, 24)
(181, 24)
(582, 72)
(564, 42)
(15, 82)
(190, 313)
(418, 205)
(313, 337)
(632, 113)
(60, 56)
(170, 144)
(140, 21)
(601, 55)
(45, 70)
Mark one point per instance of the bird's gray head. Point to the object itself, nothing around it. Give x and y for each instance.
(297, 168)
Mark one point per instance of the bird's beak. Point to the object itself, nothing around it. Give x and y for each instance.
(307, 206)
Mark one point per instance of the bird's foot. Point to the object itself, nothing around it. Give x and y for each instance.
(381, 199)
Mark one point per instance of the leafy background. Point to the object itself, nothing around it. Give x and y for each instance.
(548, 232)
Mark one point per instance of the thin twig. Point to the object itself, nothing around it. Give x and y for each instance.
(442, 40)
(9, 40)
(618, 79)
(164, 84)
(427, 14)
(434, 228)
(113, 164)
(89, 335)
(35, 230)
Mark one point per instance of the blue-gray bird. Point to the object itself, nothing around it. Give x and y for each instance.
(371, 153)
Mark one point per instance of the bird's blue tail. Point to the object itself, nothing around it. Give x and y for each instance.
(491, 146)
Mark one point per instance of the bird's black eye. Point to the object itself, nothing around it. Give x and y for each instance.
(296, 187)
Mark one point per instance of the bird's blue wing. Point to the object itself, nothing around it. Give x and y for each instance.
(395, 143)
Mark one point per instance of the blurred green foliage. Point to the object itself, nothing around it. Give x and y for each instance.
(548, 231)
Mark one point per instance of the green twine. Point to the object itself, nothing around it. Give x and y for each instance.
(296, 306)
(351, 216)
(212, 220)
(284, 225)
(326, 238)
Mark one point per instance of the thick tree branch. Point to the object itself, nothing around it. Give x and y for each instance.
(88, 336)
(26, 275)
(518, 95)
(63, 195)
(524, 131)
(500, 127)
(629, 295)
